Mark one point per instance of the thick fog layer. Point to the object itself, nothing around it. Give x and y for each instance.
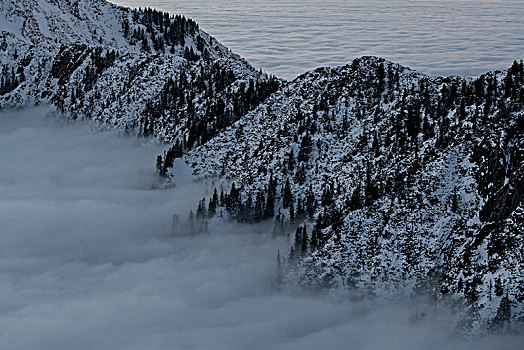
(288, 37)
(87, 261)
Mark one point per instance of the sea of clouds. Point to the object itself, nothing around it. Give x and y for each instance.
(88, 260)
(289, 37)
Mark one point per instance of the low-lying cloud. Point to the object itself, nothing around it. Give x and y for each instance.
(288, 38)
(88, 261)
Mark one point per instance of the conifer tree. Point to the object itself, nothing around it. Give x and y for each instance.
(292, 255)
(304, 242)
(259, 207)
(213, 204)
(279, 270)
(314, 240)
(501, 321)
(297, 244)
(159, 165)
(310, 204)
(191, 223)
(287, 196)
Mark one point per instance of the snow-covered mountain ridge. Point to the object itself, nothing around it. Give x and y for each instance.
(406, 184)
(143, 71)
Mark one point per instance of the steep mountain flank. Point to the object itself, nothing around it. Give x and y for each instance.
(400, 184)
(143, 71)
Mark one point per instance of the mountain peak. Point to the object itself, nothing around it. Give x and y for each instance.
(93, 59)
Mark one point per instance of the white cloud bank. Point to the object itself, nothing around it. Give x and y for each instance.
(86, 262)
(289, 37)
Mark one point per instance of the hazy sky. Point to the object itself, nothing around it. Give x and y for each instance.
(88, 261)
(288, 37)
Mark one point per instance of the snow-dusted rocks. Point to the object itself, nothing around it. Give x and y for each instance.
(414, 182)
(143, 71)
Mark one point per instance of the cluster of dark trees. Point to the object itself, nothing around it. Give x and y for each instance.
(498, 160)
(161, 31)
(10, 78)
(67, 61)
(253, 209)
(206, 104)
(461, 108)
(210, 84)
(152, 29)
(302, 244)
(100, 61)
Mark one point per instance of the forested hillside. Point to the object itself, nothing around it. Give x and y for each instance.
(143, 71)
(396, 184)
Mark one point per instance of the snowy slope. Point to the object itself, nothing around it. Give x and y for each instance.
(92, 59)
(51, 23)
(397, 167)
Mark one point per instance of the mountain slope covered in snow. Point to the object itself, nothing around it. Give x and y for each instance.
(398, 184)
(143, 71)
